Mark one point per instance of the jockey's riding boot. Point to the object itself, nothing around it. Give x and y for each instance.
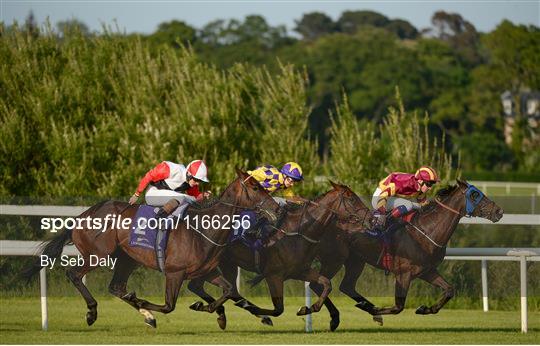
(167, 208)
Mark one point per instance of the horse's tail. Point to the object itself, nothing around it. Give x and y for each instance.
(258, 278)
(53, 249)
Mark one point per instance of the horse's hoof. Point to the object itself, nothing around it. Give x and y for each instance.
(222, 321)
(334, 323)
(151, 322)
(422, 310)
(378, 319)
(197, 306)
(304, 310)
(91, 317)
(267, 321)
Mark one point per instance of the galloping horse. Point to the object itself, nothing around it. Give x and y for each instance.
(418, 247)
(190, 253)
(297, 239)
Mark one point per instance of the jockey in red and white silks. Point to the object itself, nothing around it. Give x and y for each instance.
(170, 180)
(396, 193)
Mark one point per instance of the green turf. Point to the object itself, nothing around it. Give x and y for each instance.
(20, 323)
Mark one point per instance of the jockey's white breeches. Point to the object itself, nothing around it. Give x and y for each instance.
(157, 198)
(393, 202)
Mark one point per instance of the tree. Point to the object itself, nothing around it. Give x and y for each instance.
(403, 29)
(314, 25)
(174, 33)
(515, 54)
(461, 35)
(31, 25)
(483, 151)
(72, 25)
(351, 21)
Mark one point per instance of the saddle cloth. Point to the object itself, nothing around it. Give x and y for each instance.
(146, 235)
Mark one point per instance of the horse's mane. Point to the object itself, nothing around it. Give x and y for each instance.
(204, 204)
(291, 208)
(441, 194)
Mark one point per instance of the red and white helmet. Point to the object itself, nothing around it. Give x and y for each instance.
(197, 169)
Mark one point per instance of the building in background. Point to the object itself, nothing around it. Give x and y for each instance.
(529, 109)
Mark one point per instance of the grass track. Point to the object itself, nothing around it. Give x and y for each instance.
(20, 323)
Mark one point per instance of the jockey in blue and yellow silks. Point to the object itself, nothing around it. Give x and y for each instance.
(273, 180)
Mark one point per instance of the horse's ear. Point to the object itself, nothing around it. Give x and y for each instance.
(240, 173)
(461, 182)
(334, 185)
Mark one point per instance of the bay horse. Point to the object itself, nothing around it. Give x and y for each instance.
(418, 247)
(190, 253)
(296, 241)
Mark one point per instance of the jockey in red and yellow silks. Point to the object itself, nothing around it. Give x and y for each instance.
(397, 191)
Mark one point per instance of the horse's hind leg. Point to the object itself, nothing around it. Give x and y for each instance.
(434, 278)
(353, 269)
(75, 274)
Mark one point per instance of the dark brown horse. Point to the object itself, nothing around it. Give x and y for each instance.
(297, 239)
(191, 253)
(417, 247)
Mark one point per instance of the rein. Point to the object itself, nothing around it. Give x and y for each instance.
(235, 206)
(425, 235)
(449, 208)
(313, 241)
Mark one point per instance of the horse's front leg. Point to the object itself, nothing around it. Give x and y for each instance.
(329, 268)
(173, 282)
(354, 267)
(434, 278)
(403, 281)
(275, 286)
(313, 276)
(219, 281)
(197, 286)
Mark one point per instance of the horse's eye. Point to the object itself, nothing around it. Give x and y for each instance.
(255, 188)
(474, 195)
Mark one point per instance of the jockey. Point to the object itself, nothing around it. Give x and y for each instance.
(172, 185)
(272, 180)
(395, 192)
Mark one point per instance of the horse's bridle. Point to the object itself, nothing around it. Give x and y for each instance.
(470, 207)
(470, 203)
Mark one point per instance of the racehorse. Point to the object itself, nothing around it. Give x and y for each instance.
(190, 253)
(296, 240)
(418, 247)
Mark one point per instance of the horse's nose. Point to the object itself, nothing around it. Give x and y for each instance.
(499, 214)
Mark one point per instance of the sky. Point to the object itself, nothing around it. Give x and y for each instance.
(144, 16)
